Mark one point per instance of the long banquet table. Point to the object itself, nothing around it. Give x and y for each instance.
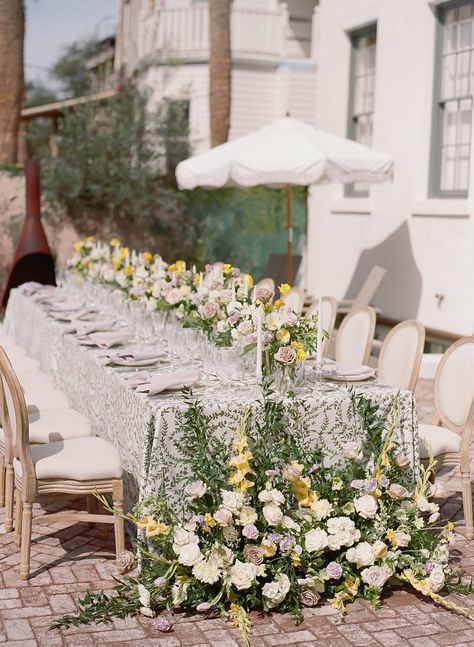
(146, 430)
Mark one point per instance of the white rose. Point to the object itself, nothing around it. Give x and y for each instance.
(242, 575)
(436, 578)
(271, 496)
(273, 514)
(366, 506)
(289, 524)
(222, 555)
(156, 290)
(222, 326)
(182, 537)
(233, 501)
(402, 538)
(207, 571)
(352, 451)
(376, 575)
(321, 509)
(315, 540)
(423, 503)
(173, 297)
(275, 592)
(223, 517)
(189, 554)
(361, 555)
(196, 489)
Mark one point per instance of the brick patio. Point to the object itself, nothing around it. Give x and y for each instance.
(67, 559)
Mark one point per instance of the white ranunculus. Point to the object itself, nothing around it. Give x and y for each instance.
(352, 451)
(289, 524)
(247, 515)
(207, 571)
(196, 489)
(189, 554)
(402, 538)
(242, 575)
(376, 575)
(361, 555)
(222, 555)
(223, 517)
(231, 500)
(275, 592)
(271, 496)
(315, 540)
(182, 537)
(436, 578)
(321, 509)
(340, 524)
(273, 514)
(366, 506)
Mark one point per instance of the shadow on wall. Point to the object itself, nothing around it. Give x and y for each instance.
(398, 297)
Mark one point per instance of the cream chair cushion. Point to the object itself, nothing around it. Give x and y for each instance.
(440, 439)
(80, 459)
(53, 425)
(39, 397)
(23, 365)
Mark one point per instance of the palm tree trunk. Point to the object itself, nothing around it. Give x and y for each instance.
(12, 29)
(219, 70)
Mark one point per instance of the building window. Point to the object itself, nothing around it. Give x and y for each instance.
(454, 90)
(361, 95)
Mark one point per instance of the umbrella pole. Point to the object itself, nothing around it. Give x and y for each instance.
(289, 225)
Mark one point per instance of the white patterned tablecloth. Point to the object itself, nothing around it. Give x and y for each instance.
(146, 431)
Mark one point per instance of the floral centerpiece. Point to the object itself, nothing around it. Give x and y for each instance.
(267, 526)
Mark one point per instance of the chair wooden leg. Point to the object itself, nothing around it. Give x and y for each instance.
(26, 540)
(2, 481)
(117, 498)
(467, 504)
(18, 517)
(9, 490)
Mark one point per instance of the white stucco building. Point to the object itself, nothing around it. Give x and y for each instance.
(399, 74)
(273, 69)
(395, 74)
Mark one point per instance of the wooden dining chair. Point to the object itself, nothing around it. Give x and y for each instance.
(77, 467)
(355, 336)
(401, 353)
(328, 316)
(449, 435)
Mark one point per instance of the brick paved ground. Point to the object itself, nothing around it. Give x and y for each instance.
(67, 559)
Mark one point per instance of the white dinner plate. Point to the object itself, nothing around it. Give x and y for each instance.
(350, 378)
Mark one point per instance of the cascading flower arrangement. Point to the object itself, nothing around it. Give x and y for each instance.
(267, 526)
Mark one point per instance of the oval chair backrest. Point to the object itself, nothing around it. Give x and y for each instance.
(294, 300)
(14, 416)
(328, 316)
(267, 283)
(454, 384)
(401, 353)
(355, 336)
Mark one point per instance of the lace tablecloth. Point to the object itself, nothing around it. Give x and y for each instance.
(146, 430)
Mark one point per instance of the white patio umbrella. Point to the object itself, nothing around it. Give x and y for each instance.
(286, 152)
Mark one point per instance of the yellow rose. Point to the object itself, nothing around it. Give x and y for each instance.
(279, 303)
(249, 280)
(128, 270)
(147, 257)
(209, 519)
(295, 558)
(284, 288)
(180, 266)
(123, 252)
(269, 547)
(114, 242)
(283, 335)
(116, 262)
(392, 538)
(227, 268)
(197, 279)
(172, 268)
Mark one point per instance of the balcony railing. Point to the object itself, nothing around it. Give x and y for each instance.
(183, 33)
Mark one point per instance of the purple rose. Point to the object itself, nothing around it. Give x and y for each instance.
(162, 624)
(298, 549)
(233, 317)
(384, 481)
(287, 543)
(370, 486)
(285, 355)
(264, 295)
(250, 531)
(275, 537)
(429, 566)
(334, 570)
(357, 484)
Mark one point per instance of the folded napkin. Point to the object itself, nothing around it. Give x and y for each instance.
(32, 287)
(161, 381)
(106, 339)
(344, 369)
(65, 306)
(132, 358)
(139, 378)
(84, 314)
(83, 328)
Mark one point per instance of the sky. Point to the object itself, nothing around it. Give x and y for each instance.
(52, 24)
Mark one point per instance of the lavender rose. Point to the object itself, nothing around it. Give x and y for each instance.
(174, 296)
(264, 295)
(208, 310)
(250, 531)
(285, 355)
(309, 598)
(245, 328)
(160, 582)
(334, 570)
(253, 554)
